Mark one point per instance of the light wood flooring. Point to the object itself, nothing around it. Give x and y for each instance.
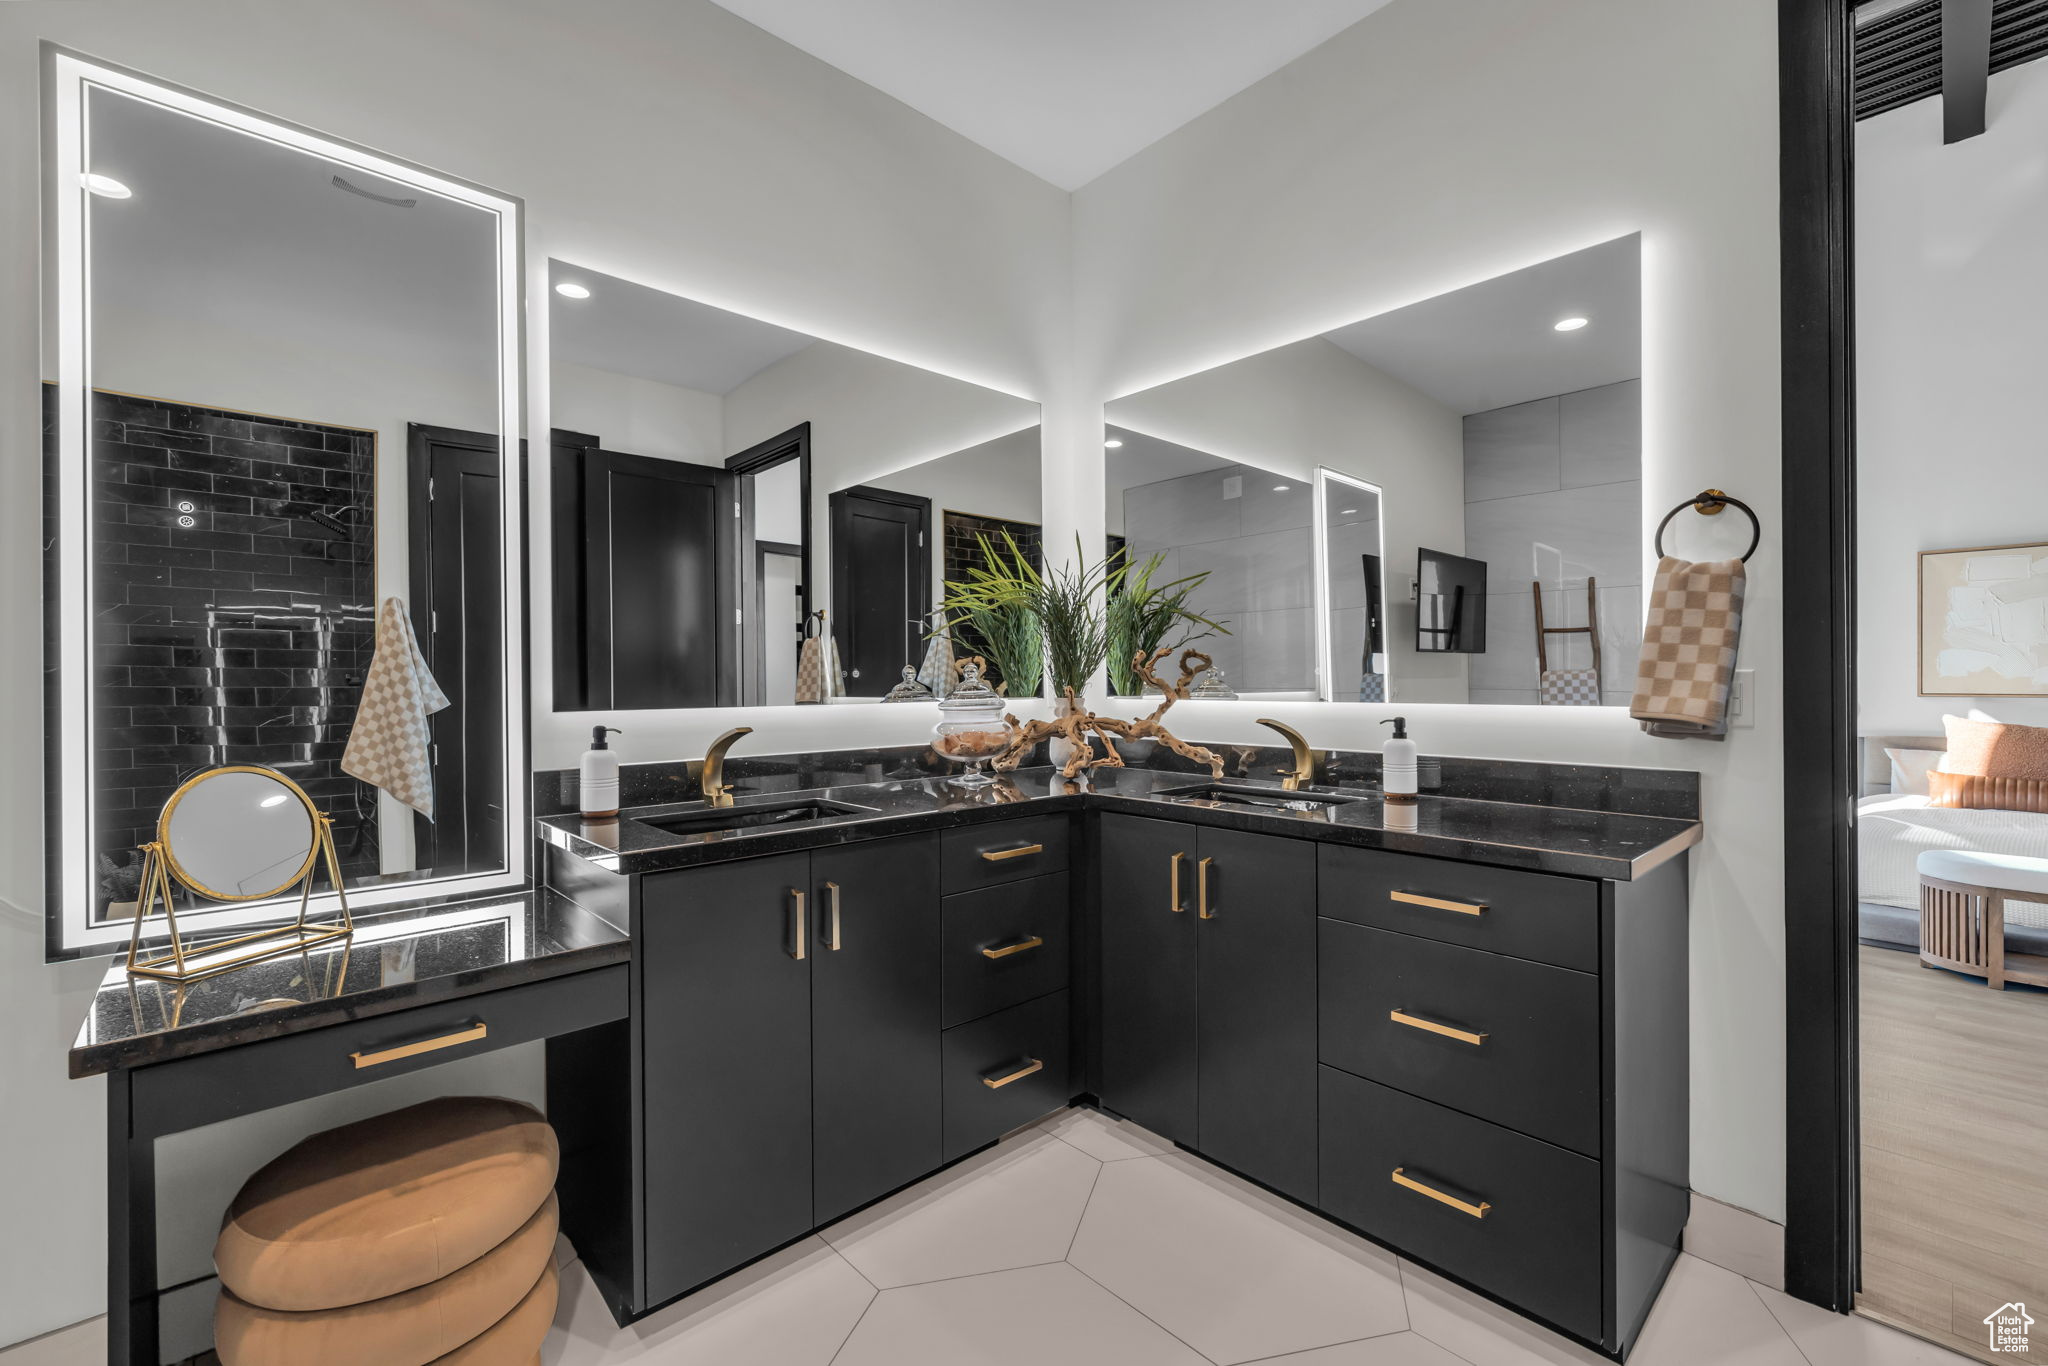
(1955, 1151)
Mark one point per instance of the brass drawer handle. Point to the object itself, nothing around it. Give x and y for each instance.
(1437, 903)
(1203, 910)
(998, 855)
(1034, 942)
(797, 926)
(838, 939)
(1402, 1017)
(1173, 875)
(995, 1083)
(1477, 1211)
(413, 1050)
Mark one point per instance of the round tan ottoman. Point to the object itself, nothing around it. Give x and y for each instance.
(516, 1339)
(411, 1328)
(387, 1204)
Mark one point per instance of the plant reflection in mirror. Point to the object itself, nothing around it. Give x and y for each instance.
(1143, 614)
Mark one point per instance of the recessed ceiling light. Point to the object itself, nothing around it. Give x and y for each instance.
(1569, 324)
(1279, 488)
(1346, 512)
(569, 289)
(278, 800)
(1111, 444)
(105, 186)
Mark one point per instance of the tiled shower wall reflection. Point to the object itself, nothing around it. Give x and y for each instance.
(1554, 494)
(233, 611)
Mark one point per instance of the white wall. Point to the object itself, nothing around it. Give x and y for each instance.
(831, 208)
(1444, 142)
(639, 416)
(1313, 403)
(1951, 332)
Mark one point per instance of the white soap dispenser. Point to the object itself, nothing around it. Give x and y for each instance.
(598, 780)
(1397, 765)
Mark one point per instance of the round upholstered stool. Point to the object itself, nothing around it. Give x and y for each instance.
(411, 1328)
(1962, 913)
(420, 1236)
(386, 1204)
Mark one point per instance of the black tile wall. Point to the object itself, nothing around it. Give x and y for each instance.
(234, 609)
(961, 551)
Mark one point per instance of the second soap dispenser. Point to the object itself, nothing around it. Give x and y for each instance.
(1397, 765)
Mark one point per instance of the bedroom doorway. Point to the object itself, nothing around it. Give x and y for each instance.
(1950, 686)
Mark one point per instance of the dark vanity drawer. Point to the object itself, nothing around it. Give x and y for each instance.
(1004, 1071)
(1526, 1222)
(1514, 1042)
(1502, 910)
(1002, 851)
(1004, 945)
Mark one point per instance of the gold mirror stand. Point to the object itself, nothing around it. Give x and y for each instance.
(273, 942)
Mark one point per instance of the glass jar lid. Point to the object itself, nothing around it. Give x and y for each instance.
(909, 690)
(972, 693)
(1212, 685)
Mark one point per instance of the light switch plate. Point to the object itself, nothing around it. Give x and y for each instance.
(1742, 700)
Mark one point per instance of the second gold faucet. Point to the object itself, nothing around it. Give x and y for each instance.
(1310, 766)
(717, 791)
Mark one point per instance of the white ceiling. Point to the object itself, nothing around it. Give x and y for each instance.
(1146, 459)
(1066, 89)
(1493, 344)
(630, 329)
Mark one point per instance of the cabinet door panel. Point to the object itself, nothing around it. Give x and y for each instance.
(875, 1004)
(1148, 974)
(1257, 973)
(726, 1040)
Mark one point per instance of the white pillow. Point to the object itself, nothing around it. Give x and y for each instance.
(1910, 768)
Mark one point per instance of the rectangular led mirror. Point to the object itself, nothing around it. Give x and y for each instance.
(281, 375)
(1489, 442)
(723, 490)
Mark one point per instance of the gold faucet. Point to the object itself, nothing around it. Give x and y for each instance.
(718, 792)
(1310, 765)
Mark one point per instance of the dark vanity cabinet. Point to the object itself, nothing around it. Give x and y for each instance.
(1208, 993)
(790, 1014)
(1484, 1068)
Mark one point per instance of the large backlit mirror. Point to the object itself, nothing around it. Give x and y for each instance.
(1441, 503)
(280, 375)
(724, 490)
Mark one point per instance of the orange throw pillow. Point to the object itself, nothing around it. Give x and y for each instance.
(1990, 749)
(1987, 794)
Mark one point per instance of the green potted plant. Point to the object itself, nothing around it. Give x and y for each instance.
(1142, 615)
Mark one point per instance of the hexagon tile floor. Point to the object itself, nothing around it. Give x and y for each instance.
(1086, 1242)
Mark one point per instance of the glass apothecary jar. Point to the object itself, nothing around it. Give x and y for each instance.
(971, 731)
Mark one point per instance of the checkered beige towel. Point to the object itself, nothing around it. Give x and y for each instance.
(390, 744)
(817, 669)
(1687, 668)
(1570, 688)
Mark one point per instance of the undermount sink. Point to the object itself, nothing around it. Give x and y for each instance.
(1254, 798)
(720, 819)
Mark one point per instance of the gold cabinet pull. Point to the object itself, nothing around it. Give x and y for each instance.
(996, 1083)
(1034, 942)
(832, 892)
(1173, 875)
(1402, 1017)
(797, 926)
(1203, 910)
(413, 1050)
(1477, 1211)
(998, 855)
(1437, 903)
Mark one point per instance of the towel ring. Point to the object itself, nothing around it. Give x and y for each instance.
(1709, 504)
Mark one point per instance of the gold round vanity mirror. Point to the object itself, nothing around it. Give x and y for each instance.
(239, 834)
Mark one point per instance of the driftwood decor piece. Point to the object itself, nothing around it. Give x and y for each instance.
(1076, 725)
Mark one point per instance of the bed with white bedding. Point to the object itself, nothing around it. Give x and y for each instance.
(1894, 829)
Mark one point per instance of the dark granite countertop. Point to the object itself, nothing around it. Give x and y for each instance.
(1550, 839)
(395, 960)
